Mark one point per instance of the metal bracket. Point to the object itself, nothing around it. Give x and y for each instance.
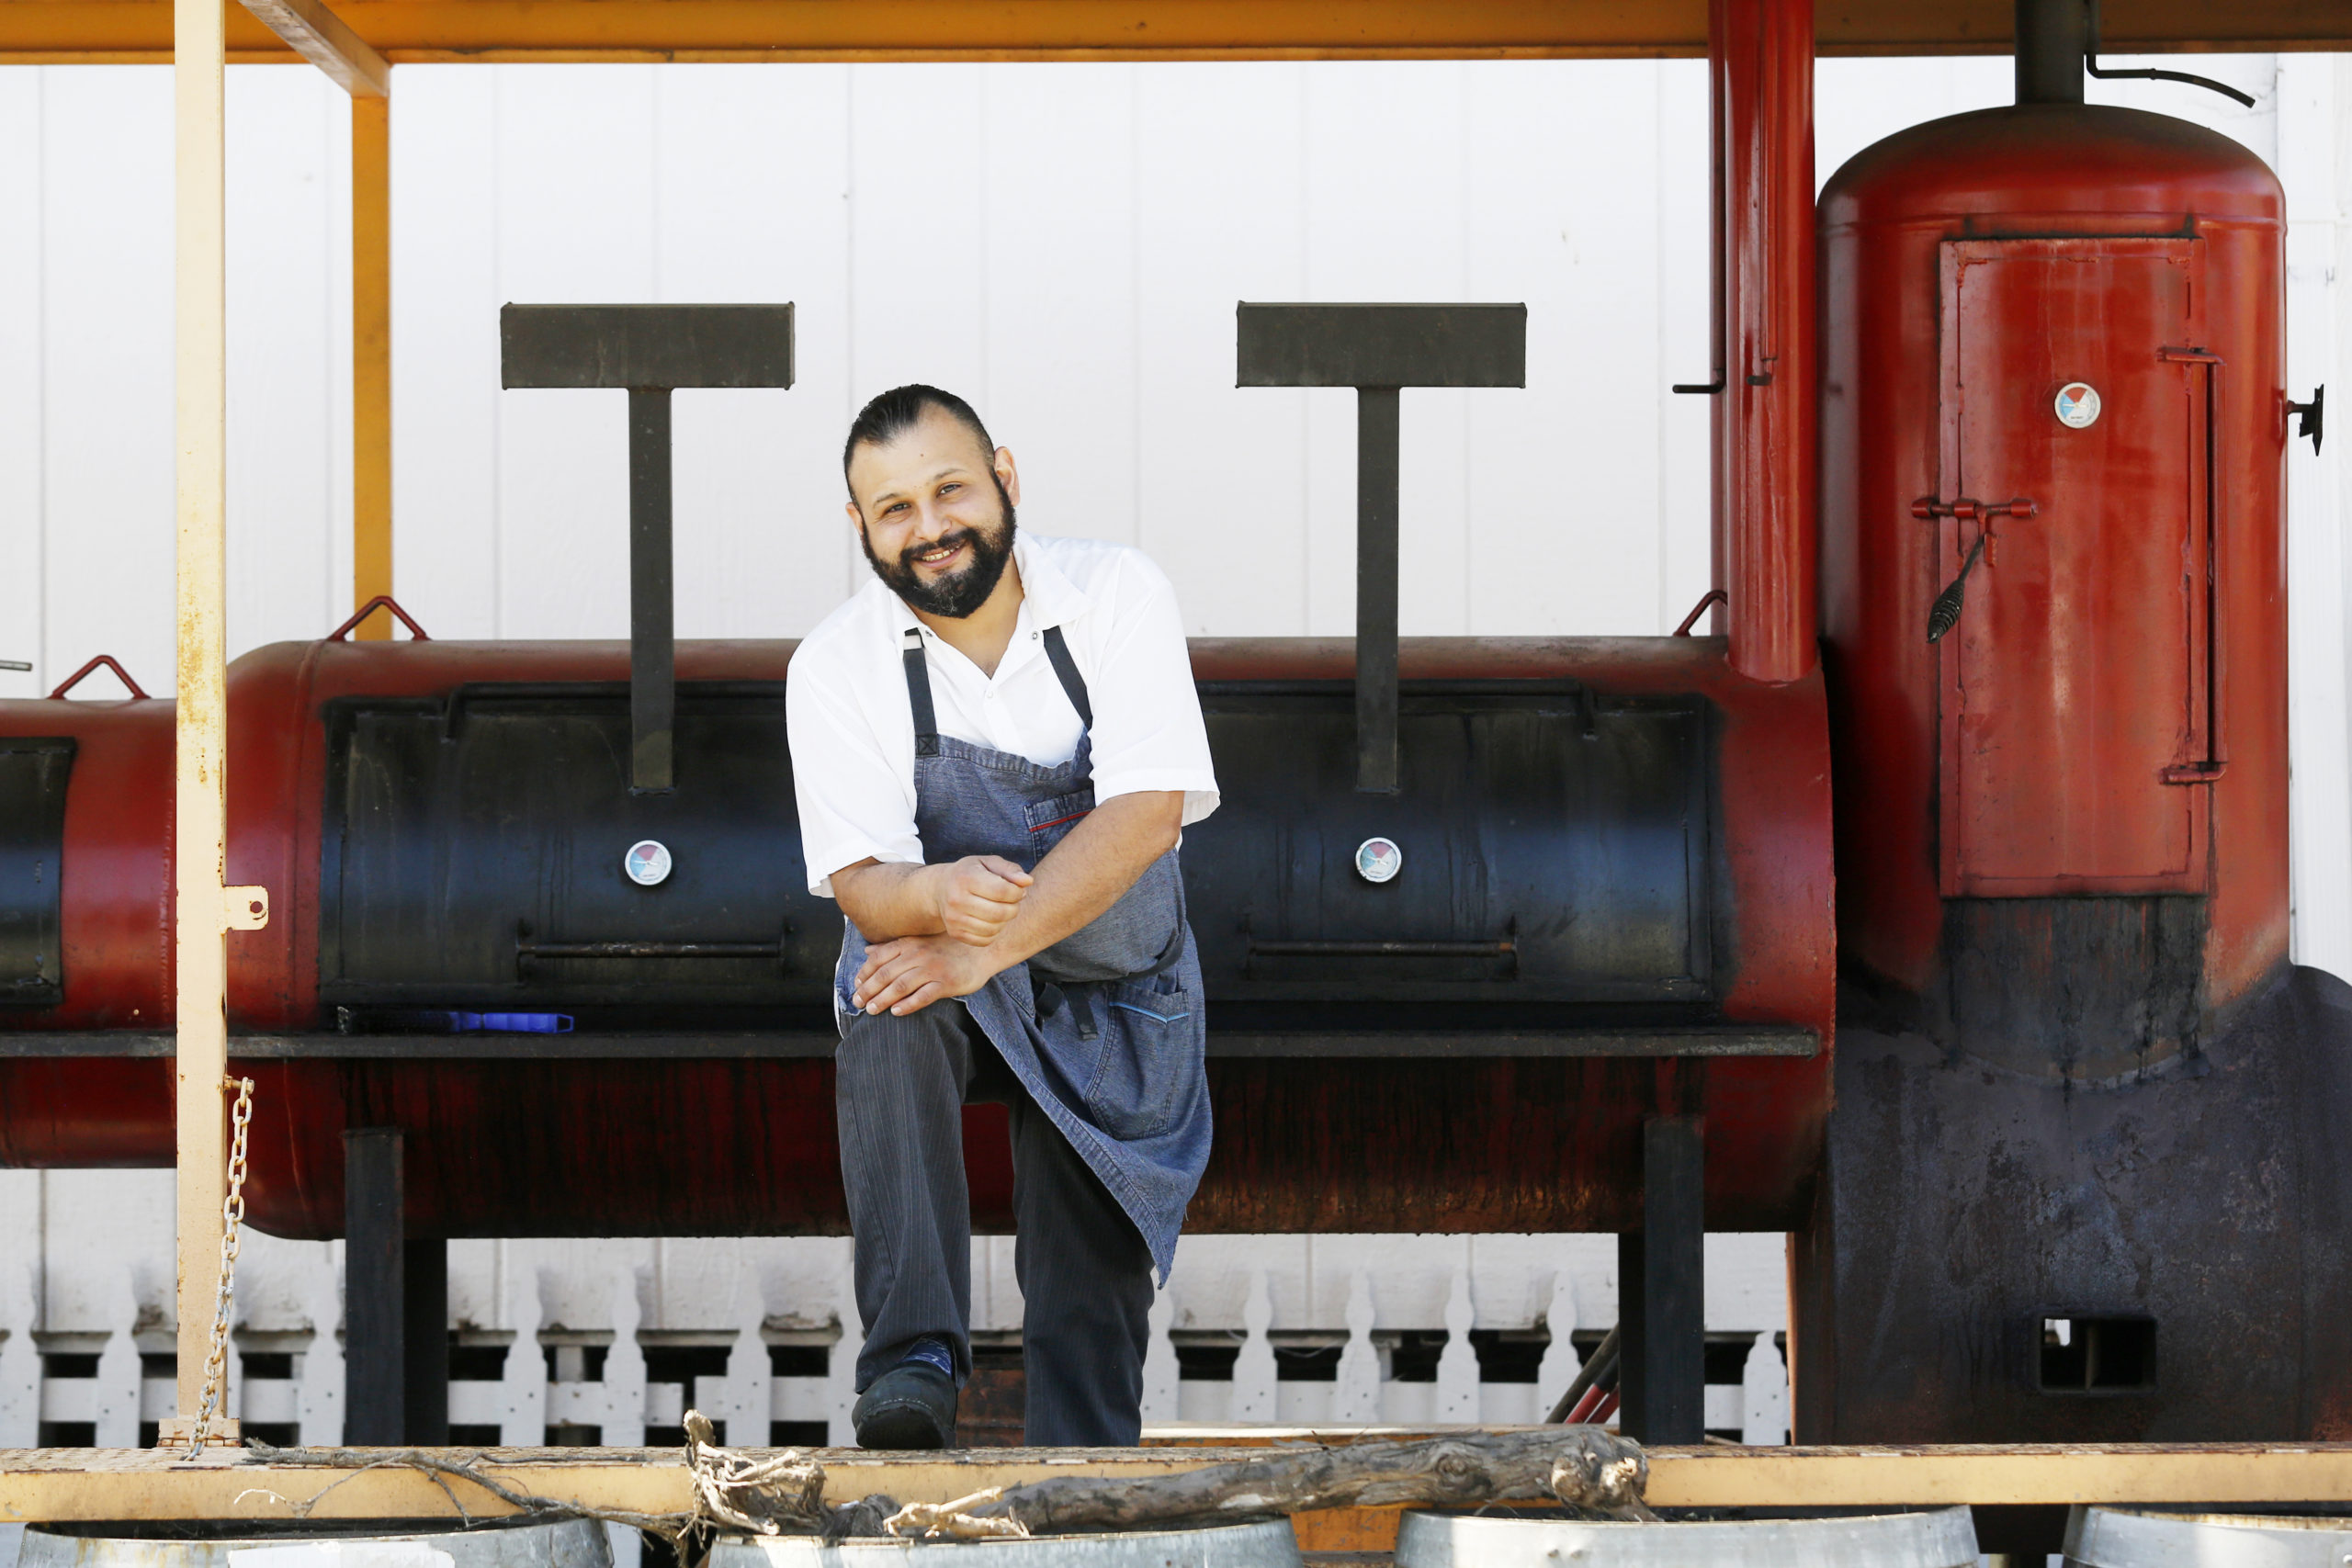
(1378, 350)
(245, 909)
(647, 350)
(2313, 420)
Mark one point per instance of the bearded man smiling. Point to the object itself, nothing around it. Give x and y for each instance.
(996, 746)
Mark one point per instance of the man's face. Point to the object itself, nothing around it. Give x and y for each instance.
(933, 511)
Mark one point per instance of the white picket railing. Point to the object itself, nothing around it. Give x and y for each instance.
(614, 1335)
(92, 1385)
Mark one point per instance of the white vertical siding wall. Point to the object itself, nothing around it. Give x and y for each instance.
(2311, 102)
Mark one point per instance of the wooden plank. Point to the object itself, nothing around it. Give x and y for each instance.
(455, 31)
(320, 37)
(85, 1483)
(371, 354)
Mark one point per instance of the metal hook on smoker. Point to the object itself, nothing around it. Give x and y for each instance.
(2314, 417)
(108, 659)
(1944, 614)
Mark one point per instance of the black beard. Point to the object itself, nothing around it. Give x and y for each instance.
(956, 596)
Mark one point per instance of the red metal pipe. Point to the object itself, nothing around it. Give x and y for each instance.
(1760, 77)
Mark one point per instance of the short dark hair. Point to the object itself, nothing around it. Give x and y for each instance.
(888, 415)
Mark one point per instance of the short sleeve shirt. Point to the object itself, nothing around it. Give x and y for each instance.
(852, 733)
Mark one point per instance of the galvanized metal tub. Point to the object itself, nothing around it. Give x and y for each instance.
(2150, 1538)
(355, 1543)
(1269, 1543)
(1945, 1538)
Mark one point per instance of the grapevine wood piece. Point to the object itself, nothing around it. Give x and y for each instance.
(777, 1493)
(783, 1494)
(1583, 1466)
(152, 1483)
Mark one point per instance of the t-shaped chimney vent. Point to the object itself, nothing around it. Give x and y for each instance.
(647, 350)
(1378, 350)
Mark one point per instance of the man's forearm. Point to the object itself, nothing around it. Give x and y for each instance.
(1088, 871)
(1083, 877)
(889, 898)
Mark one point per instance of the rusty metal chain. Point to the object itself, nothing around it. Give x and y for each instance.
(232, 1217)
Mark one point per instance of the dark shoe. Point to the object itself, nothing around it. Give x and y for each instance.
(912, 1405)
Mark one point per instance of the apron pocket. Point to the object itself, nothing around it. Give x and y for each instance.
(1149, 1059)
(1049, 821)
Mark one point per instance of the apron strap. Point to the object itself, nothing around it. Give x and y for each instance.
(1066, 671)
(927, 717)
(918, 697)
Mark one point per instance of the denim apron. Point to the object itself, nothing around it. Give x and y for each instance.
(1104, 1028)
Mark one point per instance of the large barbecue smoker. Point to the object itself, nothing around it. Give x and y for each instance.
(1963, 957)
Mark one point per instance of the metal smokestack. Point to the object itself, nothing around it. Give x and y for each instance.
(2053, 36)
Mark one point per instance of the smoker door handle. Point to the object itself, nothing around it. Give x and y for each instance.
(1503, 948)
(2217, 753)
(528, 949)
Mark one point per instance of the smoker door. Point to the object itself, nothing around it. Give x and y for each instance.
(1555, 848)
(2075, 686)
(34, 772)
(472, 856)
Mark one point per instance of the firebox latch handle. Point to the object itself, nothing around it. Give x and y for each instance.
(1966, 510)
(1944, 614)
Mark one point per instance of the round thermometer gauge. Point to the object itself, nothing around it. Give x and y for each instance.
(2077, 405)
(1379, 860)
(646, 863)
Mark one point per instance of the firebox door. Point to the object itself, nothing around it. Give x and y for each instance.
(2077, 704)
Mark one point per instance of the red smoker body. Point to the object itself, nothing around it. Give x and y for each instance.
(2024, 755)
(746, 1145)
(2078, 1078)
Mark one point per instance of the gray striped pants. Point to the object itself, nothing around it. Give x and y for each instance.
(1085, 1273)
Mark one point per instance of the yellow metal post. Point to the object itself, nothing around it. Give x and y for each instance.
(200, 431)
(371, 357)
(205, 908)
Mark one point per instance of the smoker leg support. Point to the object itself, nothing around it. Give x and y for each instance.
(424, 1357)
(396, 1300)
(375, 1294)
(1661, 1294)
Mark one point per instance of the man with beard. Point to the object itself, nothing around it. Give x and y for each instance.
(996, 745)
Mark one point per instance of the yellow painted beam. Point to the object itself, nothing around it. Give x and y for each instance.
(82, 1483)
(404, 30)
(318, 36)
(371, 358)
(200, 740)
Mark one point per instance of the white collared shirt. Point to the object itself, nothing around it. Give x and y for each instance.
(854, 736)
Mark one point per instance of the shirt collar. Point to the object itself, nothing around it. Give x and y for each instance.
(1048, 598)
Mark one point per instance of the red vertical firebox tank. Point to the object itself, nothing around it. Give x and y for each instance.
(2083, 1178)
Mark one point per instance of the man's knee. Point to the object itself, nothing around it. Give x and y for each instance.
(882, 1054)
